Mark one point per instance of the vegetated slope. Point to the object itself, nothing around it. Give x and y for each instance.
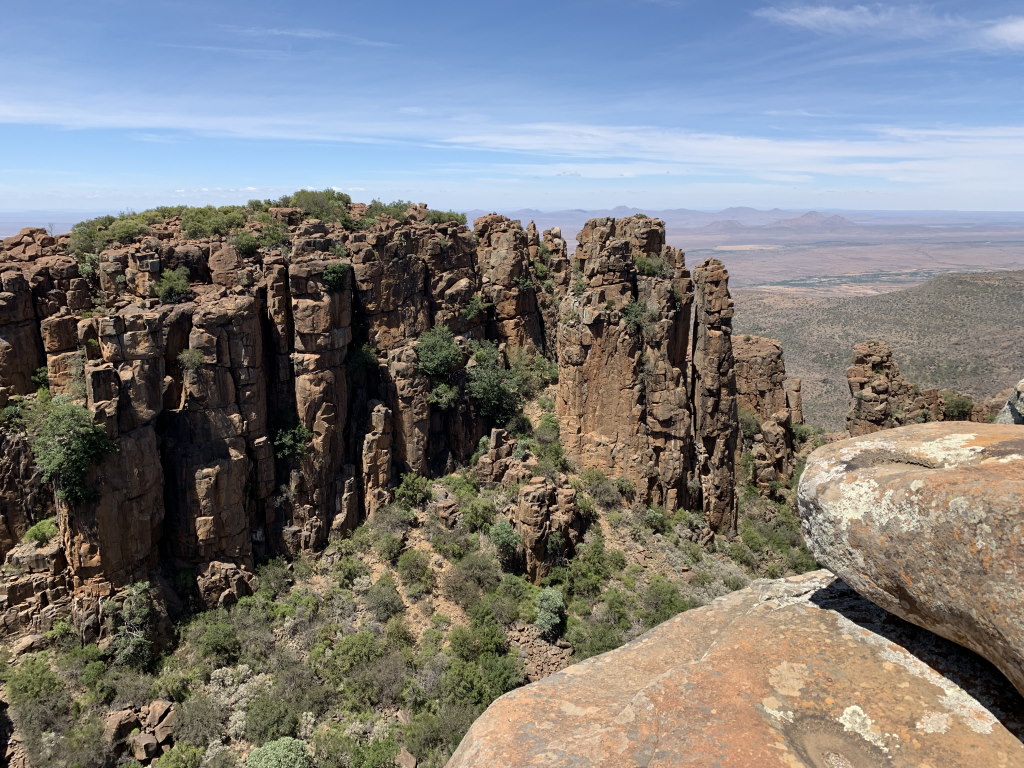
(962, 331)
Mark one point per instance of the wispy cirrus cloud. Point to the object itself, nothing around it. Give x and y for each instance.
(1007, 33)
(887, 20)
(303, 33)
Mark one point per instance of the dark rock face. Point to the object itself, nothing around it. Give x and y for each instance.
(282, 402)
(795, 673)
(926, 521)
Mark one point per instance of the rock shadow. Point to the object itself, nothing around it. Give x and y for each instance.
(973, 674)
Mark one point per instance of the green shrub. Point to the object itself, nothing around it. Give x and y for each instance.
(377, 209)
(293, 443)
(41, 533)
(173, 287)
(955, 406)
(601, 488)
(181, 755)
(476, 307)
(90, 236)
(132, 619)
(413, 490)
(66, 444)
(127, 228)
(199, 719)
(662, 601)
(492, 387)
(270, 716)
(348, 569)
(550, 611)
(246, 243)
(336, 277)
(325, 204)
(477, 514)
(209, 221)
(639, 317)
(383, 600)
(362, 357)
(444, 396)
(507, 540)
(654, 266)
(190, 359)
(414, 568)
(284, 752)
(473, 575)
(445, 217)
(437, 354)
(219, 643)
(750, 425)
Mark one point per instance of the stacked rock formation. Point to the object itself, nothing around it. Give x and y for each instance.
(285, 399)
(764, 392)
(882, 398)
(923, 520)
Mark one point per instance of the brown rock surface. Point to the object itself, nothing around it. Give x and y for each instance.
(926, 521)
(270, 410)
(799, 673)
(716, 424)
(883, 398)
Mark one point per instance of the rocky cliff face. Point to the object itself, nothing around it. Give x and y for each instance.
(283, 400)
(774, 403)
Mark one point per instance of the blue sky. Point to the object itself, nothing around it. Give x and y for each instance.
(579, 104)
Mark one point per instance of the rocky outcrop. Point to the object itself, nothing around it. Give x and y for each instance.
(623, 352)
(716, 422)
(926, 522)
(882, 398)
(281, 402)
(548, 520)
(1013, 411)
(765, 395)
(800, 672)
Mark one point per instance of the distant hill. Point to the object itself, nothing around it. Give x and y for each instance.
(962, 331)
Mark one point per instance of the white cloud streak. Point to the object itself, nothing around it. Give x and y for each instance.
(885, 20)
(306, 34)
(1008, 33)
(900, 22)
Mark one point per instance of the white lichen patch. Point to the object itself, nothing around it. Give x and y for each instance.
(950, 450)
(964, 706)
(934, 722)
(773, 708)
(856, 720)
(1008, 459)
(788, 678)
(957, 702)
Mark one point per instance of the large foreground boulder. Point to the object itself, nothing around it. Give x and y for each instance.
(784, 674)
(927, 522)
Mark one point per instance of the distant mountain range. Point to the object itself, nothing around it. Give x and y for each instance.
(777, 220)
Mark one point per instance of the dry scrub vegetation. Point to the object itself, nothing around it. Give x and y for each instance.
(963, 332)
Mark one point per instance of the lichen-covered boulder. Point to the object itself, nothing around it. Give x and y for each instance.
(927, 522)
(794, 673)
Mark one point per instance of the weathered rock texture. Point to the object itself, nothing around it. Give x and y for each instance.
(765, 395)
(1013, 411)
(926, 521)
(882, 398)
(785, 674)
(282, 403)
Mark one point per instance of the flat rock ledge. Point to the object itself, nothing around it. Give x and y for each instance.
(784, 674)
(927, 522)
